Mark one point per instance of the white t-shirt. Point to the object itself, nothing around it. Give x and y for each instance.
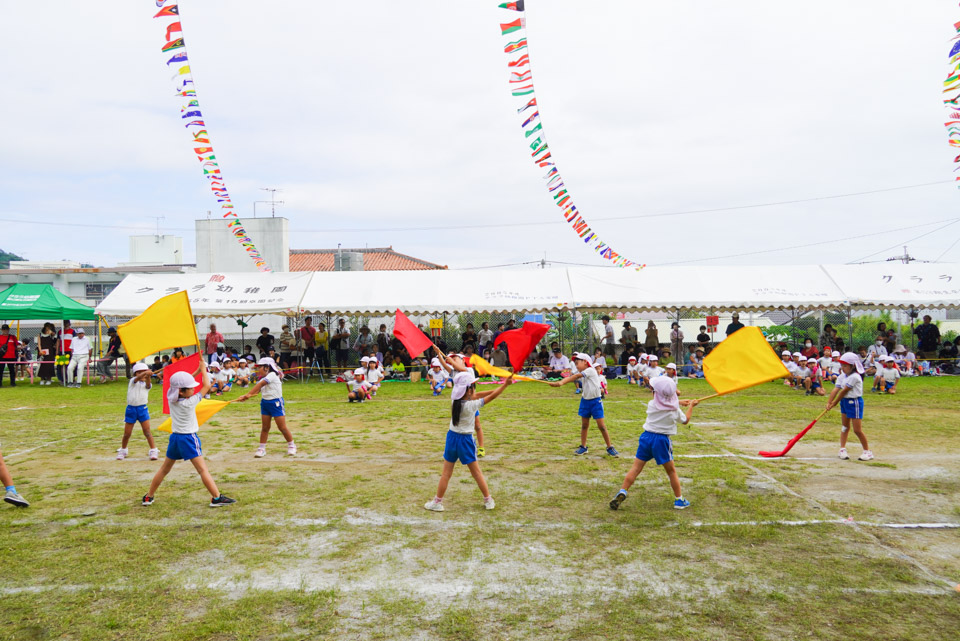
(438, 377)
(80, 346)
(853, 382)
(835, 367)
(591, 383)
(485, 336)
(890, 374)
(373, 375)
(608, 334)
(803, 372)
(663, 421)
(273, 388)
(227, 374)
(243, 372)
(825, 362)
(653, 372)
(600, 360)
(137, 393)
(356, 385)
(634, 370)
(792, 367)
(183, 415)
(559, 363)
(876, 351)
(468, 412)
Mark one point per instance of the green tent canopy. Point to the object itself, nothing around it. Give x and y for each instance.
(42, 302)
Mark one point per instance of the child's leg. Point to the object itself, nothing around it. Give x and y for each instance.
(479, 430)
(208, 481)
(807, 383)
(845, 430)
(671, 471)
(282, 426)
(165, 468)
(444, 478)
(820, 390)
(632, 475)
(602, 425)
(145, 426)
(858, 430)
(584, 428)
(478, 477)
(264, 428)
(5, 477)
(127, 431)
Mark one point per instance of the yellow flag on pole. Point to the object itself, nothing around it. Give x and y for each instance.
(206, 408)
(484, 368)
(743, 360)
(166, 324)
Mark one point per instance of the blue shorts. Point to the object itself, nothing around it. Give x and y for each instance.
(136, 413)
(184, 446)
(655, 446)
(272, 407)
(591, 408)
(887, 386)
(816, 386)
(851, 407)
(460, 447)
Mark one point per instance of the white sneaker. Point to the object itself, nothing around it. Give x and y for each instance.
(488, 503)
(261, 452)
(866, 456)
(154, 454)
(121, 453)
(434, 505)
(291, 449)
(843, 454)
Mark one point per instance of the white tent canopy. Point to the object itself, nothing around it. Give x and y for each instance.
(211, 295)
(801, 287)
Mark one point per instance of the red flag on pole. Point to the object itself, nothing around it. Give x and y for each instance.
(520, 342)
(188, 364)
(410, 335)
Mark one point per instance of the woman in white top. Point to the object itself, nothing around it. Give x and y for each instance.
(271, 405)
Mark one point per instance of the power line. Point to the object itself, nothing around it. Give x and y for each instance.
(422, 228)
(947, 250)
(906, 242)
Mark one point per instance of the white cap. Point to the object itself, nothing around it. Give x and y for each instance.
(671, 366)
(795, 354)
(436, 362)
(888, 359)
(180, 380)
(140, 367)
(835, 354)
(812, 360)
(580, 356)
(632, 358)
(654, 357)
(214, 365)
(80, 330)
(785, 352)
(461, 381)
(365, 359)
(644, 356)
(269, 362)
(852, 359)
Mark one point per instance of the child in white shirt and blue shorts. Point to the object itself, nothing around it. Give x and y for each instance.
(663, 412)
(138, 390)
(271, 405)
(591, 403)
(184, 443)
(849, 395)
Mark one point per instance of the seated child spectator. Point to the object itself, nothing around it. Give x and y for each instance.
(358, 389)
(439, 378)
(653, 370)
(887, 378)
(373, 374)
(868, 360)
(834, 366)
(814, 382)
(634, 374)
(787, 359)
(603, 380)
(243, 373)
(398, 370)
(906, 361)
(157, 364)
(559, 365)
(693, 368)
(215, 369)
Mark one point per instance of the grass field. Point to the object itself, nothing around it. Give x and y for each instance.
(335, 543)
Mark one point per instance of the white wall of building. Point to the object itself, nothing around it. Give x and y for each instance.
(218, 250)
(156, 250)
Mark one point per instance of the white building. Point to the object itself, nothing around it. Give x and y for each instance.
(219, 251)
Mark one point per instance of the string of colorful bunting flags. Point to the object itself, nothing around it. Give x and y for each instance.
(194, 122)
(521, 86)
(952, 86)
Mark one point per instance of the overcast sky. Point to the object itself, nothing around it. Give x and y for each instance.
(387, 113)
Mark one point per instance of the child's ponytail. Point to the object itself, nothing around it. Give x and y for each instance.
(455, 411)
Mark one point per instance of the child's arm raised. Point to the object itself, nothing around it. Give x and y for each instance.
(145, 378)
(568, 379)
(489, 397)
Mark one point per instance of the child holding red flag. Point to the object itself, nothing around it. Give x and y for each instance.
(460, 445)
(591, 405)
(849, 394)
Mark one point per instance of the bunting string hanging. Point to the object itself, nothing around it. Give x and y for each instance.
(521, 86)
(951, 87)
(194, 122)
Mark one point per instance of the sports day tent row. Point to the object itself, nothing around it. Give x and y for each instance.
(41, 302)
(886, 285)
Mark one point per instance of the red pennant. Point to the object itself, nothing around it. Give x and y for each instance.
(520, 342)
(410, 335)
(188, 364)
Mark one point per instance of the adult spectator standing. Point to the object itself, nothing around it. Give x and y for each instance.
(735, 324)
(8, 354)
(265, 341)
(364, 343)
(500, 330)
(213, 338)
(321, 344)
(81, 356)
(485, 336)
(47, 353)
(676, 339)
(703, 339)
(652, 339)
(469, 337)
(928, 338)
(341, 343)
(628, 335)
(383, 341)
(287, 346)
(609, 342)
(308, 334)
(829, 337)
(65, 338)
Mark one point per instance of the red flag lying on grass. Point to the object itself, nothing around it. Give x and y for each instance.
(410, 335)
(520, 342)
(188, 364)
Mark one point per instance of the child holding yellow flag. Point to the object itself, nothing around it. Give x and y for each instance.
(184, 443)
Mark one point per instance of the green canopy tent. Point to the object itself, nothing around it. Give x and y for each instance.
(41, 302)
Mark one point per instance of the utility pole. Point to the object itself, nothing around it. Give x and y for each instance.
(905, 259)
(273, 200)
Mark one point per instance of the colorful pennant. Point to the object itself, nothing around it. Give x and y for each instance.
(952, 86)
(191, 113)
(521, 85)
